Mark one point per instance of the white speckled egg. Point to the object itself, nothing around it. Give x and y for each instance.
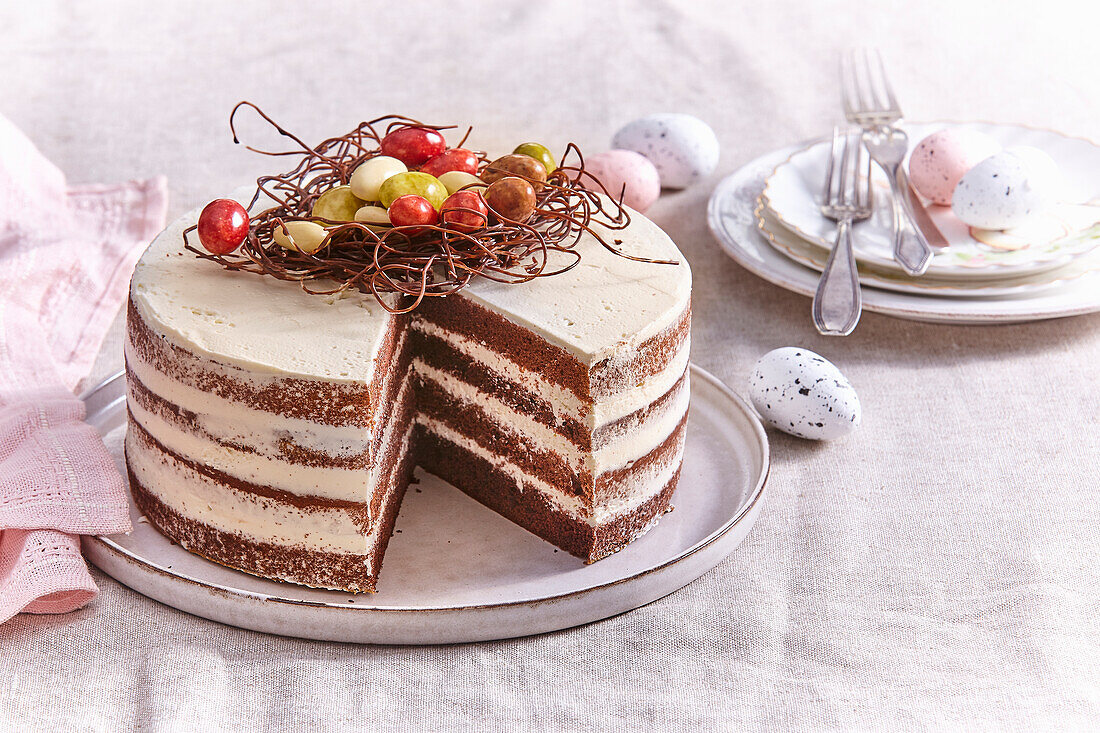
(1002, 191)
(804, 394)
(627, 173)
(1042, 170)
(682, 147)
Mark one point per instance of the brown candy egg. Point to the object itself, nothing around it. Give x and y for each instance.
(511, 198)
(515, 164)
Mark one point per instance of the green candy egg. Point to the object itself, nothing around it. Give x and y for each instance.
(415, 183)
(539, 152)
(337, 204)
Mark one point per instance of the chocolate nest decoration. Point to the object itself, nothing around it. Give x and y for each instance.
(417, 262)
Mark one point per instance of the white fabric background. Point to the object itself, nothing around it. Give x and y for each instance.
(936, 570)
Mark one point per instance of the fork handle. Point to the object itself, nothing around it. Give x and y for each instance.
(838, 302)
(911, 248)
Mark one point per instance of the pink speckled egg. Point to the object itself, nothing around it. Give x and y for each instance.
(618, 168)
(940, 161)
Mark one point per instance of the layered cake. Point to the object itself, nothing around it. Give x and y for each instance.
(275, 430)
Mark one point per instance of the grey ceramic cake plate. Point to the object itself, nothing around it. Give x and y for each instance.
(456, 571)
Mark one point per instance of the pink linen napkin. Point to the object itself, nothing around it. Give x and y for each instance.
(66, 254)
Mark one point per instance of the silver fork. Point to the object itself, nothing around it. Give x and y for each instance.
(846, 199)
(869, 102)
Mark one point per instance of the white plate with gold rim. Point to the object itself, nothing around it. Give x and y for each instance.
(456, 571)
(810, 255)
(730, 215)
(1072, 229)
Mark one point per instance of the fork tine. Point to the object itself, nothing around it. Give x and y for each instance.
(891, 100)
(827, 193)
(869, 198)
(846, 85)
(845, 164)
(864, 194)
(865, 102)
(874, 103)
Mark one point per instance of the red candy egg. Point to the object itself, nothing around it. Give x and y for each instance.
(411, 210)
(465, 211)
(223, 225)
(455, 159)
(413, 146)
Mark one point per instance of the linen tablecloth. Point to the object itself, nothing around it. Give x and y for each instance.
(935, 570)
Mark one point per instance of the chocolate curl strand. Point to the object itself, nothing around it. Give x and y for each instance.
(401, 266)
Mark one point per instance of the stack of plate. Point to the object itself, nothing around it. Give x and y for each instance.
(766, 216)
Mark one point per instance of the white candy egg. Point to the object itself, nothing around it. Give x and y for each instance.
(372, 215)
(804, 394)
(1003, 191)
(683, 148)
(456, 180)
(368, 177)
(304, 236)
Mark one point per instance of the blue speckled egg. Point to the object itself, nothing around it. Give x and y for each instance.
(682, 147)
(804, 394)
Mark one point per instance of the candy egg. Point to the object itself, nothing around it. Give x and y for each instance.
(539, 152)
(523, 166)
(457, 180)
(337, 204)
(372, 215)
(617, 169)
(222, 226)
(413, 146)
(1002, 191)
(455, 159)
(303, 236)
(465, 211)
(1042, 170)
(412, 183)
(804, 394)
(511, 198)
(941, 159)
(369, 177)
(682, 147)
(411, 210)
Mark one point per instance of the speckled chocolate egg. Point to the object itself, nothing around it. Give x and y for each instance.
(940, 160)
(628, 173)
(804, 394)
(682, 147)
(1003, 191)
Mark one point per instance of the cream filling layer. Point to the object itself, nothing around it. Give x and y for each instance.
(564, 401)
(647, 485)
(197, 497)
(624, 446)
(237, 422)
(346, 484)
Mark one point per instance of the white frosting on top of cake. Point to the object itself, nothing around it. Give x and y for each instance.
(253, 321)
(603, 305)
(606, 302)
